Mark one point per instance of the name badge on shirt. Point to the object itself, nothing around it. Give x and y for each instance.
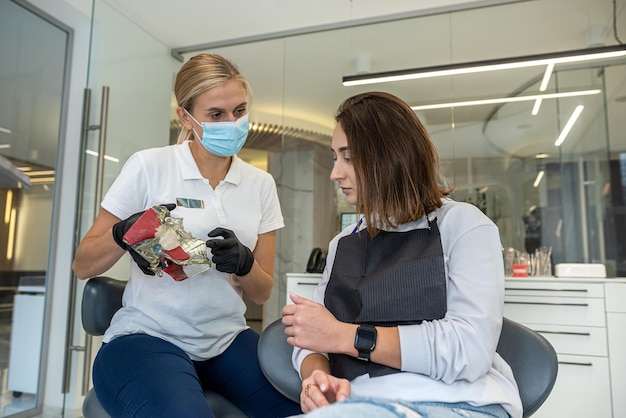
(190, 203)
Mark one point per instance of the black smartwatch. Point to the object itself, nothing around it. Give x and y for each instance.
(365, 341)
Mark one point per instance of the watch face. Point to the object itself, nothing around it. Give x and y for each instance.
(365, 338)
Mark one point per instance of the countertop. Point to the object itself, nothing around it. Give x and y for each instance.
(568, 279)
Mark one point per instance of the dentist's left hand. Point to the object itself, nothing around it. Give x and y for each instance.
(229, 254)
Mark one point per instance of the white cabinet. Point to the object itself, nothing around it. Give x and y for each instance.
(582, 389)
(616, 324)
(302, 284)
(575, 316)
(26, 332)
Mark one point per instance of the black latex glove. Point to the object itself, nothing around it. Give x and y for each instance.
(120, 228)
(230, 255)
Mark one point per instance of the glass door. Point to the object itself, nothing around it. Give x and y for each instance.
(33, 79)
(126, 109)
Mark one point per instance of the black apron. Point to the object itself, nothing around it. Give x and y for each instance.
(396, 278)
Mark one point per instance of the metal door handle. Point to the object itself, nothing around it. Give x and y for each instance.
(85, 128)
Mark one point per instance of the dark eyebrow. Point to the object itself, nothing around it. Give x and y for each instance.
(342, 149)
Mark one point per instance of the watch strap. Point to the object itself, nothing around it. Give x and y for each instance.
(365, 355)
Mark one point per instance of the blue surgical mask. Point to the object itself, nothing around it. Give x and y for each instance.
(223, 139)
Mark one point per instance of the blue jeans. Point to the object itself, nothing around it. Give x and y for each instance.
(384, 408)
(142, 376)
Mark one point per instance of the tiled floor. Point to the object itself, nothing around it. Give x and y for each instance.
(10, 404)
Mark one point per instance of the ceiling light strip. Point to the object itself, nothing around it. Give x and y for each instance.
(568, 126)
(11, 237)
(546, 77)
(106, 157)
(544, 85)
(507, 99)
(37, 180)
(588, 54)
(538, 179)
(536, 107)
(9, 206)
(40, 173)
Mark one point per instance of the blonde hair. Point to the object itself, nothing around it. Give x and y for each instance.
(199, 74)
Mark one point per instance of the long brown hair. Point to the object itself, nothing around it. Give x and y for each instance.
(395, 162)
(199, 74)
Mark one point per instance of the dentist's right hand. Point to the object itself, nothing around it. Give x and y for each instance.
(120, 229)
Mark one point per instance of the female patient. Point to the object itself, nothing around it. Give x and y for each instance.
(406, 319)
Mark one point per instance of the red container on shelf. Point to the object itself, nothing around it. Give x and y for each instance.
(520, 270)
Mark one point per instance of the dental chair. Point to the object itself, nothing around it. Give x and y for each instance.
(531, 357)
(102, 297)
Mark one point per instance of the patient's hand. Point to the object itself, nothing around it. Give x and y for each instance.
(311, 326)
(321, 389)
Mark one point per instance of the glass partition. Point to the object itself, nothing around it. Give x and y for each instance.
(126, 108)
(500, 157)
(33, 74)
(555, 192)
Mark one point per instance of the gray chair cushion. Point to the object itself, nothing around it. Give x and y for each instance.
(275, 359)
(102, 297)
(221, 407)
(92, 407)
(533, 361)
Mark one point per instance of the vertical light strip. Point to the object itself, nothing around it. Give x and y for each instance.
(568, 126)
(536, 107)
(11, 237)
(538, 179)
(7, 209)
(543, 86)
(546, 77)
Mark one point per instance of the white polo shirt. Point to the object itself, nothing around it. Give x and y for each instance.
(202, 314)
